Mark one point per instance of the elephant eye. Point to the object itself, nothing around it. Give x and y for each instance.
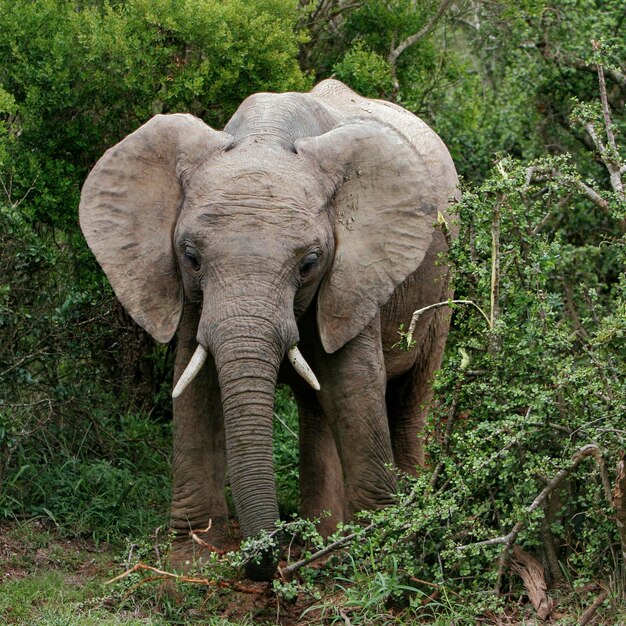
(192, 258)
(308, 264)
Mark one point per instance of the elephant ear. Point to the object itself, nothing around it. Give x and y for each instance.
(385, 207)
(129, 207)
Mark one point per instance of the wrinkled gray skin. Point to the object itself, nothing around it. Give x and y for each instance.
(309, 220)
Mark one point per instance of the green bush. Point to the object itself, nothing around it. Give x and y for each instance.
(81, 387)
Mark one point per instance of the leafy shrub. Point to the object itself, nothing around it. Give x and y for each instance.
(286, 454)
(97, 498)
(76, 77)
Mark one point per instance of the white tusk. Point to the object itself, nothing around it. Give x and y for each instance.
(191, 371)
(302, 367)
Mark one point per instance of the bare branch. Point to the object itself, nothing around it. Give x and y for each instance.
(537, 229)
(609, 154)
(593, 195)
(396, 51)
(285, 426)
(165, 575)
(495, 274)
(597, 142)
(591, 611)
(8, 193)
(417, 314)
(605, 103)
(162, 573)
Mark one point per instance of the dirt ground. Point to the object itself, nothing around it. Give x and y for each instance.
(29, 551)
(46, 575)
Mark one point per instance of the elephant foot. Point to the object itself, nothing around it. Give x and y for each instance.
(192, 547)
(264, 569)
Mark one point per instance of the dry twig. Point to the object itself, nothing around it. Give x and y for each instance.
(165, 575)
(417, 314)
(591, 611)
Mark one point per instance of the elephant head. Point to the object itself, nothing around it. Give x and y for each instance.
(294, 205)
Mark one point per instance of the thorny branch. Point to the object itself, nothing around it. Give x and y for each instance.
(288, 572)
(509, 539)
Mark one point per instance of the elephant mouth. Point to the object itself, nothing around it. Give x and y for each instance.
(199, 357)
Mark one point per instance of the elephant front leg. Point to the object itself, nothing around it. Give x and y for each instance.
(321, 477)
(409, 397)
(199, 462)
(353, 398)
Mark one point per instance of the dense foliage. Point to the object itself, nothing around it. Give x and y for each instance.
(75, 78)
(527, 431)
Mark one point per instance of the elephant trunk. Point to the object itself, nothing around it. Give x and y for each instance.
(247, 356)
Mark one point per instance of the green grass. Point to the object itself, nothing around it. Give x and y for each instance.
(52, 597)
(49, 580)
(86, 513)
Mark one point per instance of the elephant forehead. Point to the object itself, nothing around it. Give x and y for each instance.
(251, 227)
(251, 215)
(260, 175)
(266, 195)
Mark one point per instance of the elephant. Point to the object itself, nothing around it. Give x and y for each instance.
(288, 247)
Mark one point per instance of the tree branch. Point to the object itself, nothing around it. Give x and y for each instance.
(285, 425)
(164, 575)
(605, 103)
(590, 612)
(537, 173)
(288, 572)
(579, 64)
(396, 51)
(417, 314)
(495, 275)
(619, 504)
(509, 539)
